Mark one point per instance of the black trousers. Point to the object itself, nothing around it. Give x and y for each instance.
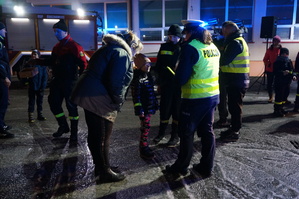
(39, 96)
(235, 97)
(170, 102)
(61, 90)
(3, 103)
(99, 132)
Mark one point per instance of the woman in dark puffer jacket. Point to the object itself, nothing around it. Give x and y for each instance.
(101, 91)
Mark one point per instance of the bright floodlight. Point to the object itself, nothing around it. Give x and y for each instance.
(19, 10)
(80, 12)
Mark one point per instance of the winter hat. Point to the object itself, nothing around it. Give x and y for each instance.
(175, 30)
(2, 26)
(140, 60)
(61, 25)
(284, 50)
(36, 51)
(276, 37)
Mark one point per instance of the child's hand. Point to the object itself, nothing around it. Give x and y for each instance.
(295, 78)
(142, 114)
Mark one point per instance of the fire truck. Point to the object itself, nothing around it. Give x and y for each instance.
(34, 31)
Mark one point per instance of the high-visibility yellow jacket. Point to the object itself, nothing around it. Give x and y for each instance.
(241, 62)
(203, 82)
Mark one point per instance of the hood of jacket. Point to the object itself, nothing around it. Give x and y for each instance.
(116, 40)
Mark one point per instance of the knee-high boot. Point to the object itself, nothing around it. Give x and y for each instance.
(174, 139)
(63, 127)
(162, 129)
(102, 168)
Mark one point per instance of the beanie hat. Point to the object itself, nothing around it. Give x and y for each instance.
(276, 37)
(175, 30)
(61, 25)
(284, 50)
(2, 26)
(140, 60)
(36, 51)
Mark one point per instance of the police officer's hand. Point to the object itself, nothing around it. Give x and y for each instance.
(286, 72)
(7, 82)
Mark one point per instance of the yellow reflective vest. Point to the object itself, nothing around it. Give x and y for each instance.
(241, 62)
(203, 82)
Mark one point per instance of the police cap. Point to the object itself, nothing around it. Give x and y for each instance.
(192, 24)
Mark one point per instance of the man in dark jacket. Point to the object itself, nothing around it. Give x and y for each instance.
(4, 84)
(67, 56)
(234, 65)
(169, 89)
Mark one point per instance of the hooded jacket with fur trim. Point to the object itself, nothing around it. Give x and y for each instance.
(102, 87)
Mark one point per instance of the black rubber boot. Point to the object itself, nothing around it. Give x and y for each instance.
(174, 139)
(296, 107)
(63, 127)
(278, 110)
(30, 117)
(74, 130)
(161, 134)
(40, 116)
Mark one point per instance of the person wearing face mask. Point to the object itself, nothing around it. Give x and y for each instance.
(170, 91)
(67, 62)
(5, 81)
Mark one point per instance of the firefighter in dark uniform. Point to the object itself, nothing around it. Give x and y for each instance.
(5, 81)
(169, 89)
(67, 62)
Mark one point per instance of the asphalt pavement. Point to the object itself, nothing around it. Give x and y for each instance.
(262, 164)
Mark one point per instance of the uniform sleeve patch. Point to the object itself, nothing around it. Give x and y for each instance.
(81, 54)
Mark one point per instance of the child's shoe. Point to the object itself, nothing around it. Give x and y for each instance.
(146, 153)
(30, 117)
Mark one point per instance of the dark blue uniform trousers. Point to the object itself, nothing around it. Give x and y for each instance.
(197, 115)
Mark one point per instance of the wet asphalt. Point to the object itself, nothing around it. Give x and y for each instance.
(263, 163)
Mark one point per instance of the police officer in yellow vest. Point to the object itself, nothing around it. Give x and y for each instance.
(197, 73)
(234, 65)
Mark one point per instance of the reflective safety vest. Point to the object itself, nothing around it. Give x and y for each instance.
(204, 78)
(241, 62)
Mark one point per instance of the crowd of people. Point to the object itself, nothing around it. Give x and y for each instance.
(195, 76)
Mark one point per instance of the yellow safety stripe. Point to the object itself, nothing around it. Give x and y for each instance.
(200, 90)
(170, 70)
(278, 103)
(59, 115)
(137, 104)
(203, 81)
(166, 52)
(175, 122)
(74, 118)
(164, 121)
(297, 95)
